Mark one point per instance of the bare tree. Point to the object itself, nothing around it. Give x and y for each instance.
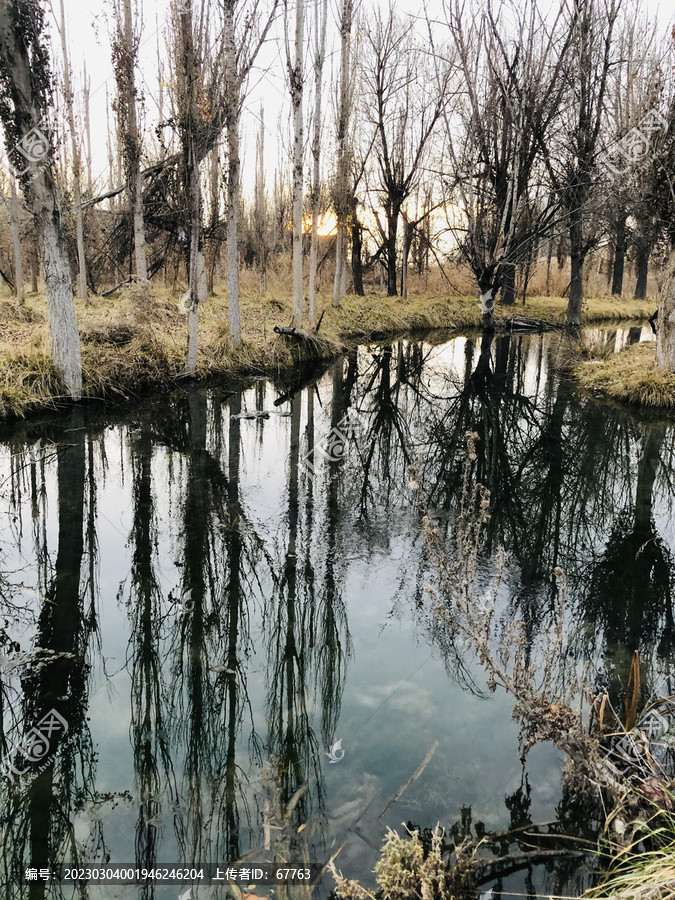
(76, 160)
(510, 86)
(296, 76)
(245, 28)
(125, 53)
(25, 92)
(345, 104)
(260, 203)
(198, 98)
(87, 127)
(319, 56)
(403, 106)
(570, 154)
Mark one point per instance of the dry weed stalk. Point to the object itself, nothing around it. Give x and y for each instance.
(404, 870)
(543, 693)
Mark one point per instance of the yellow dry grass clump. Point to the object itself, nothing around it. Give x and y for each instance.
(630, 376)
(127, 347)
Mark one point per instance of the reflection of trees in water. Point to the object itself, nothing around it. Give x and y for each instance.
(627, 596)
(153, 765)
(558, 467)
(557, 464)
(37, 817)
(308, 640)
(211, 638)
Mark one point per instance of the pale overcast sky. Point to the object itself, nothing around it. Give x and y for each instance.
(87, 24)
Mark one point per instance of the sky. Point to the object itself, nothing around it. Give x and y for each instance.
(88, 23)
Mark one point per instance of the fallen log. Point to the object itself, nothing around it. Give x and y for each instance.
(522, 323)
(116, 288)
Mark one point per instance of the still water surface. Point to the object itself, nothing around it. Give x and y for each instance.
(236, 606)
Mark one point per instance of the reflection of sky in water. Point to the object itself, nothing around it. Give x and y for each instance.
(397, 698)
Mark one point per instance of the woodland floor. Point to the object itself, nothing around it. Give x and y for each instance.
(128, 349)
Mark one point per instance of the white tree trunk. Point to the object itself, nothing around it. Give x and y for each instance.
(233, 313)
(16, 240)
(40, 194)
(261, 204)
(344, 110)
(320, 51)
(77, 198)
(127, 97)
(665, 325)
(297, 90)
(233, 173)
(87, 130)
(194, 199)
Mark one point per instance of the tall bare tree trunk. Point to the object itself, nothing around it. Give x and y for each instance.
(260, 211)
(619, 253)
(188, 77)
(576, 268)
(343, 159)
(233, 172)
(641, 269)
(24, 76)
(87, 130)
(297, 82)
(16, 240)
(77, 198)
(320, 52)
(665, 330)
(125, 71)
(194, 203)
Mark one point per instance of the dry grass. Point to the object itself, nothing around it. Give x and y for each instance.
(631, 377)
(127, 348)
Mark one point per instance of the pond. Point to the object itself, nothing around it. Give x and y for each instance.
(216, 630)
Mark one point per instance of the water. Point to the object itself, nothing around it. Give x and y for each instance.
(233, 614)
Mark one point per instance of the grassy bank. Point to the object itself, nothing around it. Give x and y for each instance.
(630, 376)
(127, 349)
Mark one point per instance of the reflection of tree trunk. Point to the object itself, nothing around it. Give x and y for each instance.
(146, 718)
(646, 477)
(62, 684)
(197, 516)
(482, 374)
(234, 595)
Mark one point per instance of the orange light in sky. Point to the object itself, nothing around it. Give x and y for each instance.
(327, 224)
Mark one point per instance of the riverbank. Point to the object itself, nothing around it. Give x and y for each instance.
(127, 349)
(630, 376)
